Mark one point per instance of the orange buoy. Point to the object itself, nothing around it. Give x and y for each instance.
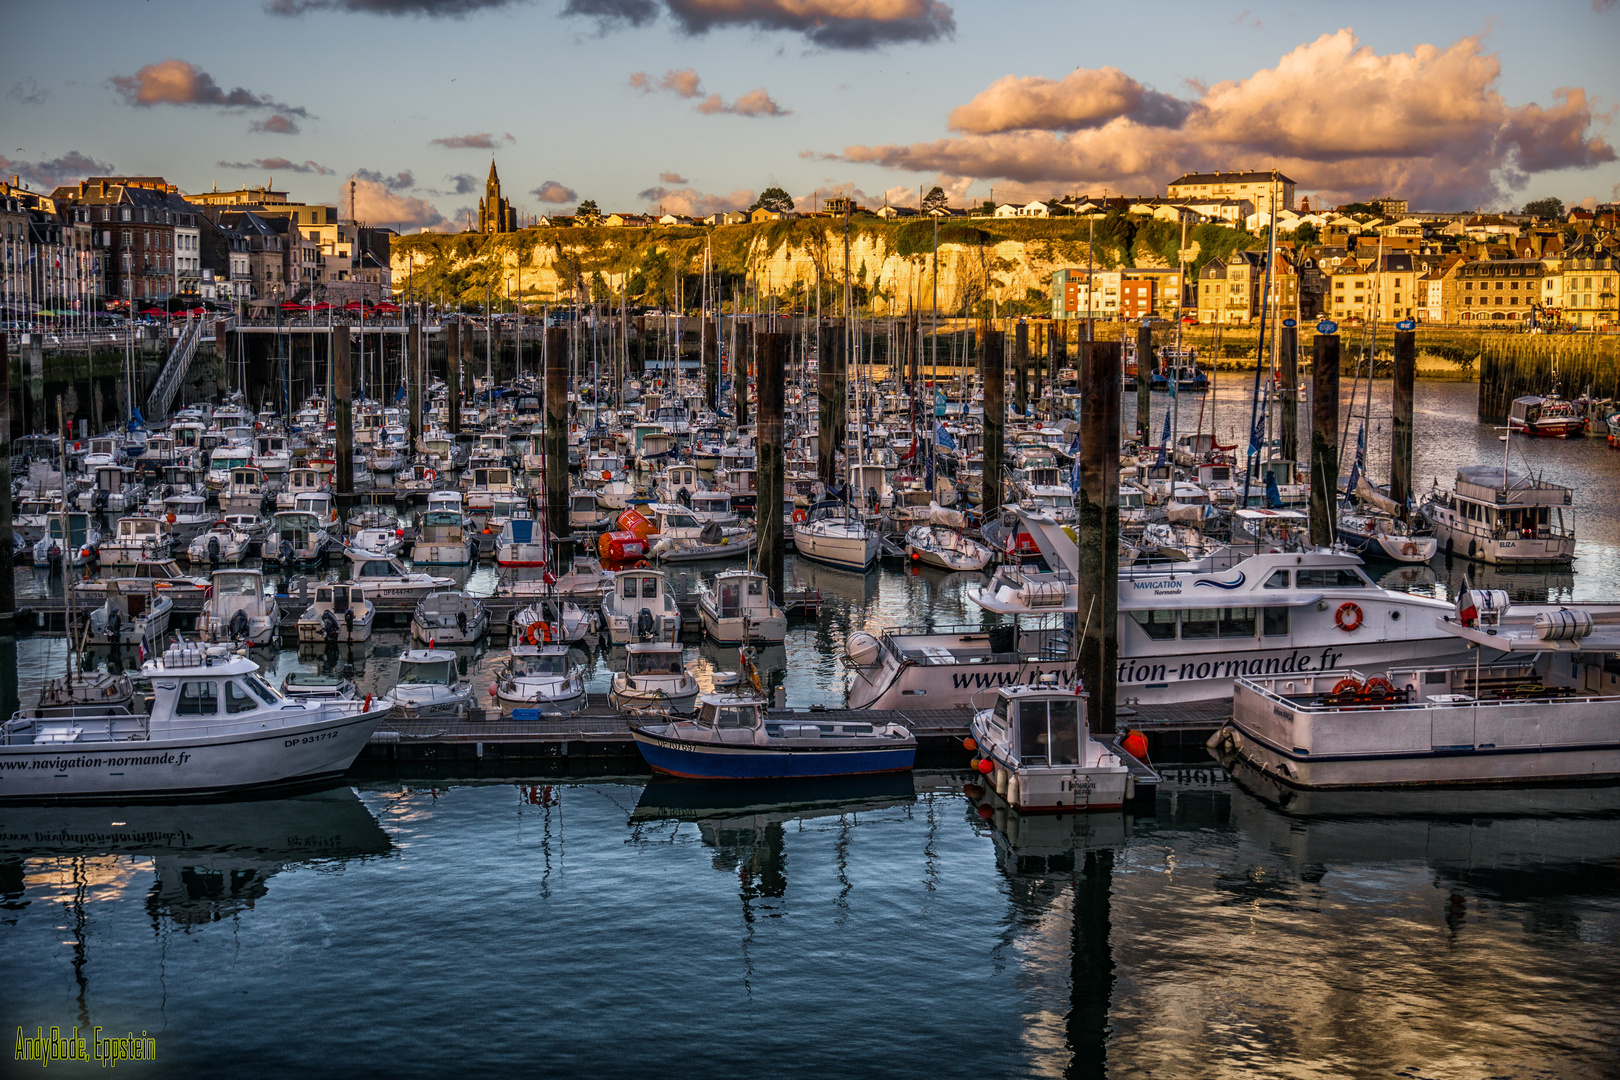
(969, 744)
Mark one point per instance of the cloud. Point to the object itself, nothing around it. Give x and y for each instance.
(695, 203)
(686, 83)
(671, 178)
(1086, 97)
(832, 24)
(376, 204)
(449, 9)
(276, 124)
(70, 168)
(400, 181)
(28, 92)
(466, 184)
(177, 82)
(481, 141)
(754, 103)
(1336, 117)
(555, 193)
(277, 164)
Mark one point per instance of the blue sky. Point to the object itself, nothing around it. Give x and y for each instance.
(372, 91)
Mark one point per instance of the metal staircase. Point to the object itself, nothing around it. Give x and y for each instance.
(173, 375)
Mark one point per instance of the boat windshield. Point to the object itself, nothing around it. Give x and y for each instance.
(1049, 732)
(540, 665)
(680, 521)
(237, 585)
(655, 663)
(436, 672)
(264, 690)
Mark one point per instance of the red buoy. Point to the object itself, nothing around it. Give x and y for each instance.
(1136, 745)
(987, 766)
(985, 812)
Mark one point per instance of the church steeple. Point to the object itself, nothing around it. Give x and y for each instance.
(495, 214)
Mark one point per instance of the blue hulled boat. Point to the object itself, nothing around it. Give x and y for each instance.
(733, 737)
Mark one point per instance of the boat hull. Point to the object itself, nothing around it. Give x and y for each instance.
(674, 758)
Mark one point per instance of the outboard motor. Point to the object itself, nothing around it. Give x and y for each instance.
(348, 618)
(645, 624)
(101, 500)
(239, 624)
(114, 623)
(684, 497)
(461, 621)
(329, 626)
(213, 549)
(286, 551)
(871, 498)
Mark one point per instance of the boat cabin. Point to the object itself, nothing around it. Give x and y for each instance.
(740, 592)
(297, 526)
(301, 480)
(448, 502)
(1039, 726)
(653, 658)
(338, 597)
(270, 446)
(492, 479)
(427, 667)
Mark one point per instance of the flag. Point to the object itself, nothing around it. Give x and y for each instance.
(1361, 459)
(1164, 440)
(1273, 496)
(928, 473)
(140, 649)
(1074, 476)
(943, 437)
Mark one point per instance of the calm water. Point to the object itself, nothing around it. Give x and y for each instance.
(608, 927)
(611, 928)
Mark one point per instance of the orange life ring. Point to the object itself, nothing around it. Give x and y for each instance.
(532, 638)
(1348, 618)
(429, 474)
(1346, 688)
(545, 632)
(1378, 687)
(798, 516)
(642, 564)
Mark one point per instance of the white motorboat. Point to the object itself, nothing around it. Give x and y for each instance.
(1495, 515)
(1042, 756)
(553, 618)
(539, 677)
(429, 686)
(157, 574)
(187, 515)
(740, 610)
(215, 726)
(75, 547)
(451, 617)
(240, 610)
(385, 577)
(129, 618)
(244, 492)
(340, 612)
(836, 535)
(299, 482)
(221, 544)
(296, 537)
(520, 543)
(946, 548)
(443, 534)
(380, 540)
(306, 685)
(654, 678)
(639, 607)
(140, 536)
(1538, 703)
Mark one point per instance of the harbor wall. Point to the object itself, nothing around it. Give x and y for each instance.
(1572, 364)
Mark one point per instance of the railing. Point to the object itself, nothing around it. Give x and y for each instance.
(175, 368)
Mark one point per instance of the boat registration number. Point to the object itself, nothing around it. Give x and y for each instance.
(307, 739)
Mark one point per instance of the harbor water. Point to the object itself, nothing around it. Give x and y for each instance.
(510, 919)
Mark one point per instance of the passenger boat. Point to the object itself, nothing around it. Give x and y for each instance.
(1539, 703)
(239, 610)
(339, 612)
(732, 737)
(653, 678)
(429, 686)
(451, 617)
(1549, 417)
(1498, 516)
(539, 678)
(215, 726)
(639, 607)
(1037, 752)
(740, 610)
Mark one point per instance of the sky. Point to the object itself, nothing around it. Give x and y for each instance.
(693, 106)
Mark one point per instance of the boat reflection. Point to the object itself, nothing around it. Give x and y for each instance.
(745, 804)
(841, 584)
(1541, 585)
(1035, 844)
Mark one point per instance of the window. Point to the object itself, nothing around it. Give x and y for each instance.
(259, 687)
(1064, 717)
(649, 588)
(1032, 739)
(1237, 622)
(1158, 623)
(1337, 578)
(1274, 622)
(238, 700)
(1200, 623)
(197, 699)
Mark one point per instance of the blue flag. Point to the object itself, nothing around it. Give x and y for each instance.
(1273, 496)
(1361, 459)
(943, 437)
(1164, 440)
(1074, 476)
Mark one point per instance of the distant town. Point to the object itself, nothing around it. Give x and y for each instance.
(139, 245)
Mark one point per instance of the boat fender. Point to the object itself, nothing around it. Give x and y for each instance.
(1348, 618)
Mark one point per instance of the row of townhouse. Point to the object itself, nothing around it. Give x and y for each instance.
(47, 258)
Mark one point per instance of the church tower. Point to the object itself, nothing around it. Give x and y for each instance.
(495, 214)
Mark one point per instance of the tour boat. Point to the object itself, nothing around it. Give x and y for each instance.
(215, 726)
(539, 678)
(429, 686)
(339, 612)
(1495, 515)
(836, 535)
(740, 610)
(639, 607)
(654, 678)
(1041, 755)
(239, 610)
(1538, 703)
(733, 737)
(1549, 417)
(451, 617)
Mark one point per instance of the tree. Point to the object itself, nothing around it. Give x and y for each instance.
(1306, 234)
(935, 200)
(773, 199)
(588, 211)
(1551, 207)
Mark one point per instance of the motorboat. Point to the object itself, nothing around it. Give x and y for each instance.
(244, 492)
(553, 618)
(338, 613)
(215, 726)
(130, 618)
(539, 677)
(1538, 702)
(654, 678)
(140, 536)
(221, 544)
(299, 482)
(240, 610)
(188, 516)
(385, 577)
(1498, 516)
(379, 540)
(639, 607)
(733, 737)
(1549, 417)
(304, 685)
(739, 610)
(429, 686)
(680, 537)
(1036, 750)
(520, 543)
(296, 538)
(76, 546)
(451, 617)
(443, 535)
(836, 535)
